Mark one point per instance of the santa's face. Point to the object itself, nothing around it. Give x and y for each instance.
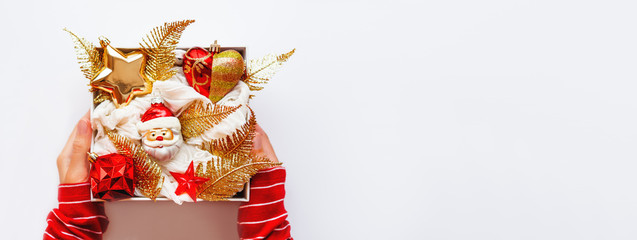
(161, 143)
(159, 134)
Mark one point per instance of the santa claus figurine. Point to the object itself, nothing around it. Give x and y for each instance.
(161, 132)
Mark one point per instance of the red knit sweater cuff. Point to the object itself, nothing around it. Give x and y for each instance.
(264, 216)
(269, 176)
(76, 192)
(76, 217)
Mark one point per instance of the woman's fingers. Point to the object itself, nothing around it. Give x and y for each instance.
(261, 145)
(73, 166)
(62, 161)
(79, 166)
(257, 143)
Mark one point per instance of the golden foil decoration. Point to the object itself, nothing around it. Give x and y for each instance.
(123, 75)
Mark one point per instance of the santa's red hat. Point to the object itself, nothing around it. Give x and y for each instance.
(158, 116)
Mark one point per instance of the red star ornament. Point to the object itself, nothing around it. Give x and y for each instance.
(188, 183)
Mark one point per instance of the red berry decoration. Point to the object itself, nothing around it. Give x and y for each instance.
(112, 177)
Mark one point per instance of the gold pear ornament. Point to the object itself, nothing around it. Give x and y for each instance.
(227, 69)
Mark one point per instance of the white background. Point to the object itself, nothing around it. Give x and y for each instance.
(395, 120)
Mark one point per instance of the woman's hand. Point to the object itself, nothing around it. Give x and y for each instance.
(264, 215)
(73, 165)
(261, 145)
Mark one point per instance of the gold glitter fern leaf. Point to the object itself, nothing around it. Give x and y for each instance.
(199, 117)
(239, 142)
(148, 177)
(228, 175)
(158, 47)
(100, 96)
(259, 71)
(89, 58)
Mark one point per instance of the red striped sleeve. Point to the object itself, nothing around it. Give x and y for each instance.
(76, 217)
(264, 216)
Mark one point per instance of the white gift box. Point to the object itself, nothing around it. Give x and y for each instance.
(242, 196)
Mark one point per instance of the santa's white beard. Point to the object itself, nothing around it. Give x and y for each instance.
(162, 154)
(163, 151)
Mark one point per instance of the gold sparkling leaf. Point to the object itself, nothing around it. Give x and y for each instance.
(100, 96)
(259, 71)
(89, 58)
(159, 45)
(199, 117)
(239, 142)
(148, 177)
(228, 174)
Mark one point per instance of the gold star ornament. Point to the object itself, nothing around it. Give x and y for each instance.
(123, 75)
(127, 75)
